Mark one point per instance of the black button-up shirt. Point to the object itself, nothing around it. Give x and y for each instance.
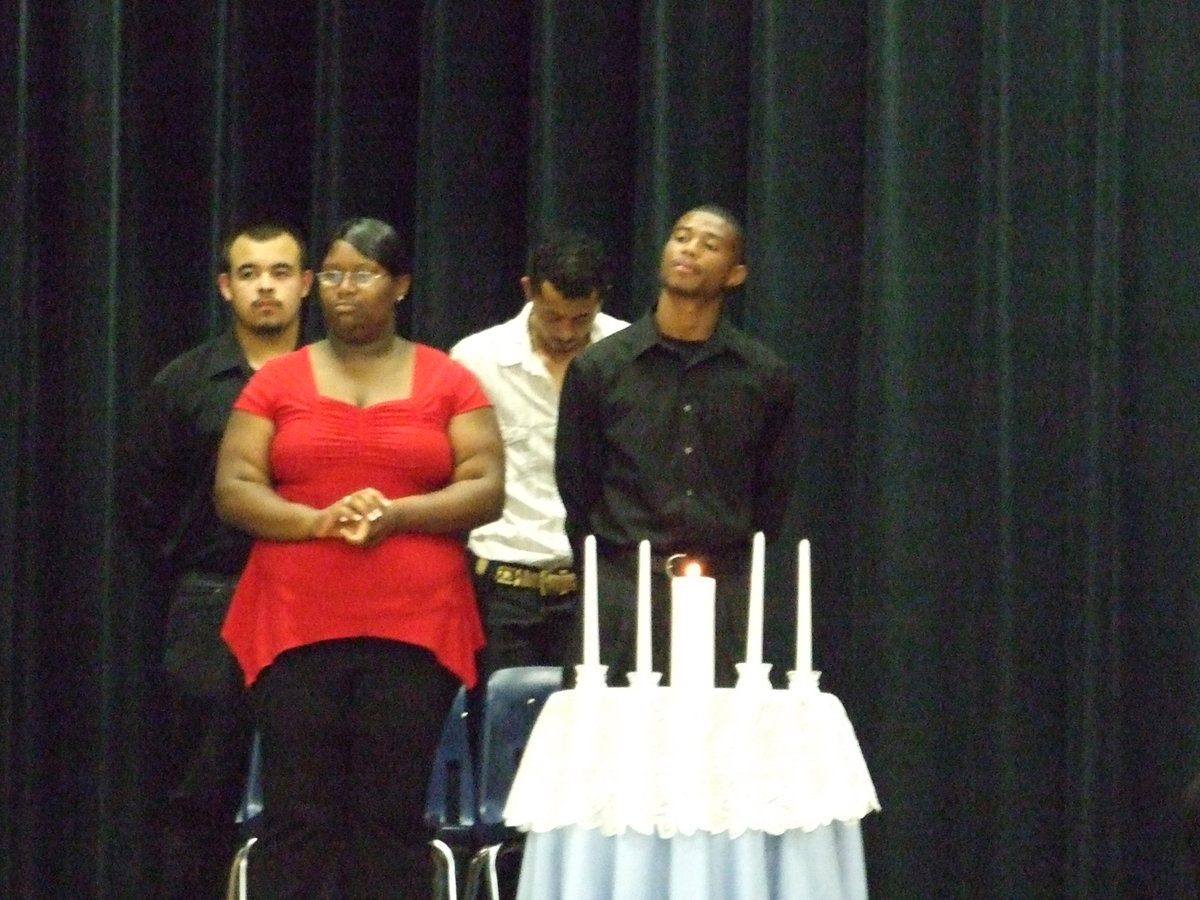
(166, 502)
(688, 445)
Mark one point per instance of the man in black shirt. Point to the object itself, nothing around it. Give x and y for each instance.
(677, 430)
(194, 558)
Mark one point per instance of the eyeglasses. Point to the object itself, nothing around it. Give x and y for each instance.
(335, 277)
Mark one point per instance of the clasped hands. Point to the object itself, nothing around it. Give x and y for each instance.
(356, 518)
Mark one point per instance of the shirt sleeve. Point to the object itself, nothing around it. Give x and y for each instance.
(260, 393)
(457, 388)
(468, 393)
(578, 452)
(776, 476)
(147, 481)
(283, 376)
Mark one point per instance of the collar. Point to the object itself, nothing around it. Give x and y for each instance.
(517, 345)
(724, 339)
(226, 356)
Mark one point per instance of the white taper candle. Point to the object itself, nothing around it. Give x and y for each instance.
(754, 616)
(803, 609)
(591, 610)
(644, 644)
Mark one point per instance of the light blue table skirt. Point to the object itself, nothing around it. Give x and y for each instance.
(581, 864)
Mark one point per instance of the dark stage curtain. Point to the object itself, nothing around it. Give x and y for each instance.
(971, 227)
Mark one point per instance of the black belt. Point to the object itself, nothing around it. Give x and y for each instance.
(216, 581)
(547, 582)
(712, 563)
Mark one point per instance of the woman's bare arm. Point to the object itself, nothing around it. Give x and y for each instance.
(244, 492)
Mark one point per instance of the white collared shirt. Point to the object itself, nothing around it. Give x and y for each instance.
(531, 531)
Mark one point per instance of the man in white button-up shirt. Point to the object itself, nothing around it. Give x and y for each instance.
(522, 561)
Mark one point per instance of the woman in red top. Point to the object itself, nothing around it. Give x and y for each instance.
(358, 463)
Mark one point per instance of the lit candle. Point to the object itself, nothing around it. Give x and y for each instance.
(803, 609)
(693, 602)
(643, 609)
(591, 612)
(754, 619)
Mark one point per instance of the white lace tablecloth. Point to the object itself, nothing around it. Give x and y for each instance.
(667, 762)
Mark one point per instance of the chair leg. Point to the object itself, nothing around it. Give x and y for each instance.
(238, 885)
(493, 876)
(237, 889)
(442, 852)
(482, 872)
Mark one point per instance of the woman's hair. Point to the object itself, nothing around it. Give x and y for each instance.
(375, 240)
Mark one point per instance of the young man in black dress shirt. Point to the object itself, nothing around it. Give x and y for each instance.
(195, 559)
(677, 430)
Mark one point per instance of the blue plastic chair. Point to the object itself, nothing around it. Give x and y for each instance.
(247, 821)
(512, 702)
(450, 799)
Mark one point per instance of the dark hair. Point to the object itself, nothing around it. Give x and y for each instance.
(258, 231)
(574, 262)
(377, 241)
(739, 236)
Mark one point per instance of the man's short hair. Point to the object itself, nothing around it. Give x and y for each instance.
(574, 262)
(259, 231)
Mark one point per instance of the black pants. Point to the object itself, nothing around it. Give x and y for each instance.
(205, 743)
(1190, 809)
(522, 628)
(350, 729)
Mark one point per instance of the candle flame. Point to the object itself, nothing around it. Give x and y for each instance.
(692, 570)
